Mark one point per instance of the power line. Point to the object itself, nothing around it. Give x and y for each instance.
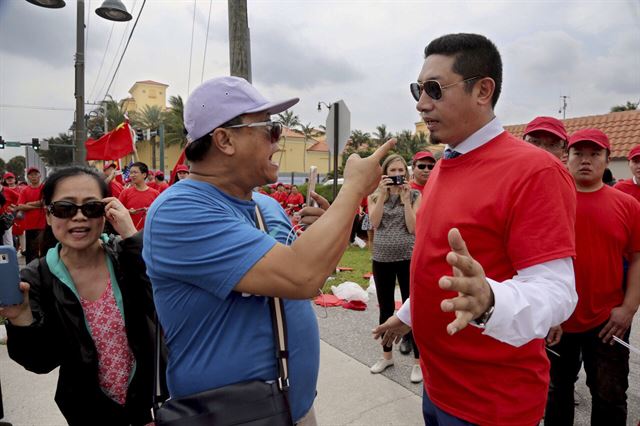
(193, 27)
(35, 107)
(106, 49)
(206, 40)
(126, 46)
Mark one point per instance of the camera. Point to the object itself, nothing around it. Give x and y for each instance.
(397, 180)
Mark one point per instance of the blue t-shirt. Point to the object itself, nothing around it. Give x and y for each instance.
(198, 244)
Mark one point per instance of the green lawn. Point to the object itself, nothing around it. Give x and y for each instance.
(356, 258)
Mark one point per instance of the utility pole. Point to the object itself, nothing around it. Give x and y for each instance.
(563, 107)
(80, 130)
(161, 134)
(239, 40)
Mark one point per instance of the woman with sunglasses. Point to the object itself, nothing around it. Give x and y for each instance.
(392, 213)
(88, 307)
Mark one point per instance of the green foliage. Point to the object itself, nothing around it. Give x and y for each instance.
(289, 119)
(356, 258)
(324, 190)
(3, 166)
(149, 117)
(381, 135)
(408, 144)
(58, 156)
(174, 122)
(115, 117)
(630, 106)
(16, 166)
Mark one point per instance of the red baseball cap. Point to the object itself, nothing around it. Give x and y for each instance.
(634, 152)
(159, 173)
(182, 168)
(8, 175)
(593, 135)
(421, 155)
(107, 165)
(32, 169)
(547, 124)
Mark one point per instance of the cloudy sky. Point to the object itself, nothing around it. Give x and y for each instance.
(364, 52)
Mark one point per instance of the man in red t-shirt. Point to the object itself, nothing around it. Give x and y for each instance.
(281, 195)
(30, 202)
(607, 229)
(549, 134)
(111, 178)
(159, 185)
(138, 197)
(421, 165)
(10, 200)
(492, 267)
(632, 186)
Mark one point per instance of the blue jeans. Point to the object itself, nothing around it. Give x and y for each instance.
(433, 416)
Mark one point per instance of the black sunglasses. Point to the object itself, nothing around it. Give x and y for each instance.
(432, 88)
(274, 127)
(426, 166)
(67, 209)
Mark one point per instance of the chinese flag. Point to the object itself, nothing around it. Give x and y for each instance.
(112, 146)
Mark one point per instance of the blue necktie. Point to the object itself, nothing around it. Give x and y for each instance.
(450, 153)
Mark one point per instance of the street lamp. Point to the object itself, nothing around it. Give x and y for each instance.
(112, 10)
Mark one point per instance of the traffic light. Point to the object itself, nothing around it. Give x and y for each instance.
(1, 143)
(35, 143)
(139, 135)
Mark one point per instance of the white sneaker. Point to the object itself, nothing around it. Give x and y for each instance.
(381, 365)
(416, 374)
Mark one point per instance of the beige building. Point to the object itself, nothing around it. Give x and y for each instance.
(297, 154)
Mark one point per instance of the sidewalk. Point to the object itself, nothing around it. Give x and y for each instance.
(348, 394)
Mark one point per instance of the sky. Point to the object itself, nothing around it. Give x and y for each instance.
(363, 52)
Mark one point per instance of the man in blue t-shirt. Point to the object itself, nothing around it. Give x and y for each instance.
(211, 267)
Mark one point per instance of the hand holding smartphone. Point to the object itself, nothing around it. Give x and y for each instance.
(10, 293)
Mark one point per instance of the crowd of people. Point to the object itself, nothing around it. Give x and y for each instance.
(502, 249)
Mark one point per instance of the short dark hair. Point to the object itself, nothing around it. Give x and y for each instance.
(475, 55)
(50, 184)
(197, 149)
(144, 169)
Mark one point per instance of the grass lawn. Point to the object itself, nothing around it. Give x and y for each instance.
(356, 258)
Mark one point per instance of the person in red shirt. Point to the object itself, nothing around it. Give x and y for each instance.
(182, 172)
(111, 178)
(281, 195)
(492, 266)
(160, 184)
(422, 164)
(632, 186)
(607, 228)
(549, 134)
(295, 200)
(34, 221)
(8, 202)
(139, 196)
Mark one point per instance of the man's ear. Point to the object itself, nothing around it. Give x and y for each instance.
(222, 141)
(485, 89)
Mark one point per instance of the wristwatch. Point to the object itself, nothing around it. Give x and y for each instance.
(481, 321)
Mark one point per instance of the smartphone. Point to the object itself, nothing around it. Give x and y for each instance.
(397, 180)
(313, 177)
(10, 293)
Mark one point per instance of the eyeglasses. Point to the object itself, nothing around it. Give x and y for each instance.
(433, 88)
(274, 127)
(426, 166)
(67, 209)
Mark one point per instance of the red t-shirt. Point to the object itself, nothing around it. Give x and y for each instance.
(281, 197)
(11, 197)
(295, 199)
(161, 186)
(627, 186)
(132, 198)
(415, 186)
(35, 218)
(517, 211)
(115, 188)
(607, 228)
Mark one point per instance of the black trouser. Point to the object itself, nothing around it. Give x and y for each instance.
(385, 274)
(607, 368)
(32, 242)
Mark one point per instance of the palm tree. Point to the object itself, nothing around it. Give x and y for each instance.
(148, 117)
(115, 116)
(174, 122)
(381, 135)
(58, 155)
(308, 131)
(291, 121)
(359, 138)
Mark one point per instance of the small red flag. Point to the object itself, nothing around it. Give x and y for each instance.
(112, 146)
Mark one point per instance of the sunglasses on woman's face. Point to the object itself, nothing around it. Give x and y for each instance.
(432, 88)
(426, 166)
(67, 209)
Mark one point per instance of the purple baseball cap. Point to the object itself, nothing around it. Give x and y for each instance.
(218, 100)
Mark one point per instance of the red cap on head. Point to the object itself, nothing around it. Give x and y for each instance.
(547, 124)
(421, 155)
(159, 173)
(182, 168)
(8, 175)
(593, 135)
(32, 169)
(107, 165)
(635, 151)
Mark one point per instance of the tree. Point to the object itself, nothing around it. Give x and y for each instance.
(630, 106)
(289, 119)
(58, 156)
(308, 131)
(3, 166)
(381, 135)
(16, 166)
(408, 143)
(150, 118)
(174, 122)
(115, 117)
(359, 138)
